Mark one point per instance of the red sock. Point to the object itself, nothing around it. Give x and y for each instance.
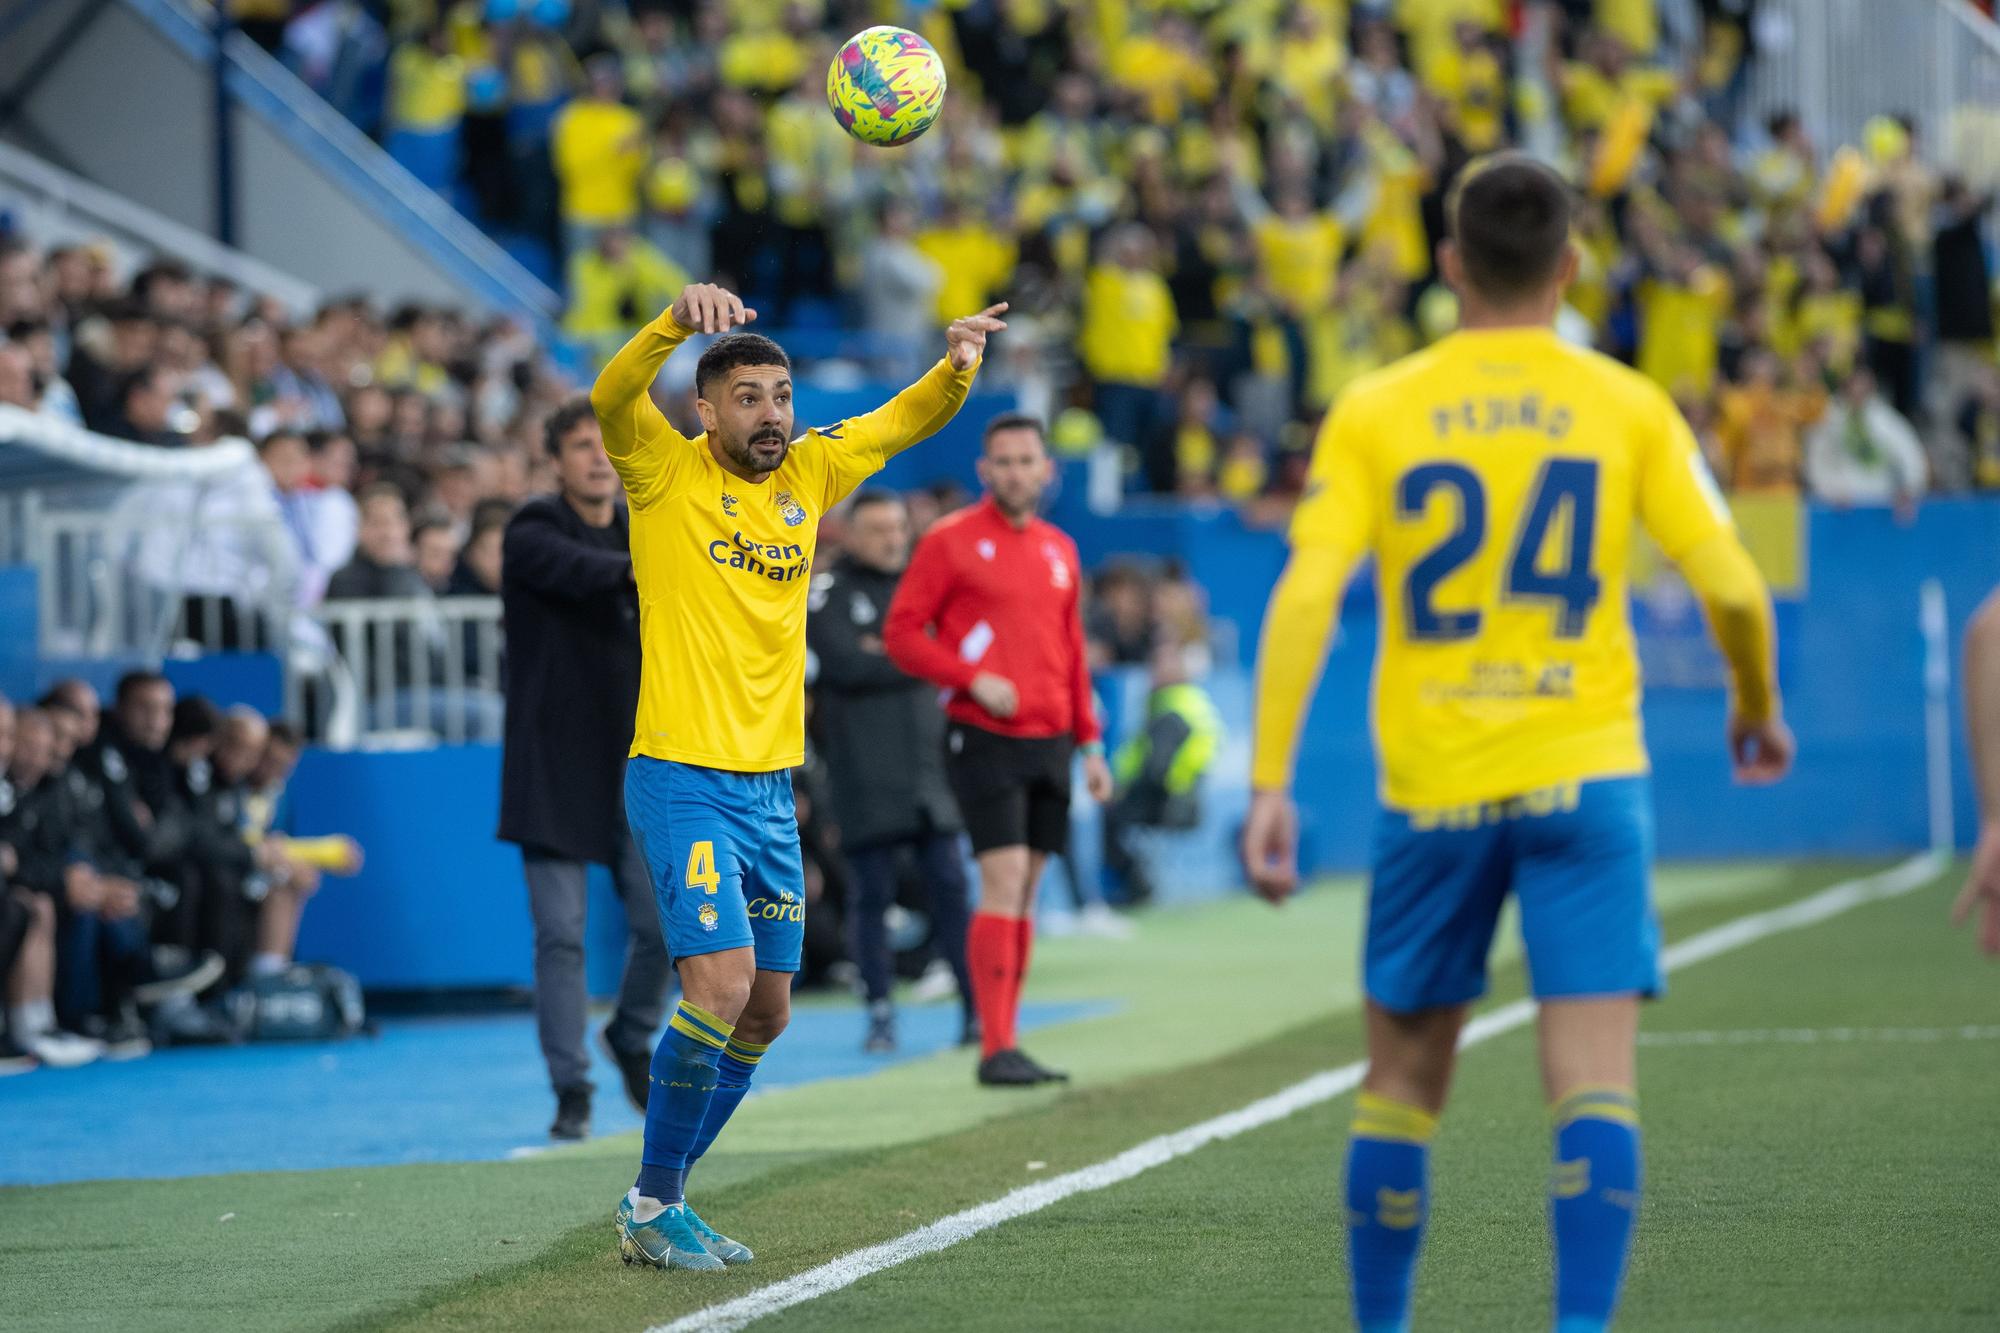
(992, 956)
(1024, 946)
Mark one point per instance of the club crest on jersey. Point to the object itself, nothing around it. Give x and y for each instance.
(789, 509)
(986, 548)
(707, 915)
(1058, 567)
(728, 505)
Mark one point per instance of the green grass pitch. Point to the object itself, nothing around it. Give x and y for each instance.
(1819, 1109)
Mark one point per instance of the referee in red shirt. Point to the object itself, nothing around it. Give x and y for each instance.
(989, 610)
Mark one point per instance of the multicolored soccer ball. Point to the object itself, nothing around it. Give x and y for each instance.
(886, 86)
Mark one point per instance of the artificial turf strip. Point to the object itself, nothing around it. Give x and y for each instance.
(1824, 1186)
(315, 1249)
(800, 1218)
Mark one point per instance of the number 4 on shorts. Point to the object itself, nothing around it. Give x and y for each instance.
(701, 867)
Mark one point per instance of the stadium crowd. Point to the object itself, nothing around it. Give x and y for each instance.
(1211, 217)
(147, 890)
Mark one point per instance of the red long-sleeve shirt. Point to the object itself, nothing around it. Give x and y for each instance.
(1004, 600)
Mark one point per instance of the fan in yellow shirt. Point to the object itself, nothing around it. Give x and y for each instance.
(599, 148)
(723, 529)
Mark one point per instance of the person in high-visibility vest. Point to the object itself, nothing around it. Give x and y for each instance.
(1159, 770)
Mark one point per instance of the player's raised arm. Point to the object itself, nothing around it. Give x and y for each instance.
(1332, 528)
(917, 412)
(1680, 506)
(633, 425)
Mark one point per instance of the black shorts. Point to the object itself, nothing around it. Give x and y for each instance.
(1013, 791)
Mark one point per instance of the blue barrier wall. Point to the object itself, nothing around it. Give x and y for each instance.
(440, 902)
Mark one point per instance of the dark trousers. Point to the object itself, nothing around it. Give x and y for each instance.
(556, 898)
(875, 874)
(98, 962)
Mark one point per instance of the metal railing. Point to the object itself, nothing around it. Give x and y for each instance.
(395, 673)
(1839, 63)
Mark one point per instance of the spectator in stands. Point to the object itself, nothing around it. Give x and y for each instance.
(1965, 325)
(333, 517)
(17, 378)
(433, 551)
(54, 394)
(147, 408)
(478, 571)
(598, 147)
(1978, 421)
(426, 103)
(1125, 342)
(104, 354)
(1865, 452)
(1119, 622)
(1761, 425)
(614, 277)
(572, 625)
(899, 290)
(888, 813)
(298, 379)
(26, 743)
(383, 563)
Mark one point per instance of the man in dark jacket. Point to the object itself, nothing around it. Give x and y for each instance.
(571, 613)
(883, 736)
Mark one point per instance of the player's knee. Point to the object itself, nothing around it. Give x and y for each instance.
(762, 1028)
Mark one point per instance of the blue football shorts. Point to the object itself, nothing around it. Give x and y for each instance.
(1578, 860)
(723, 852)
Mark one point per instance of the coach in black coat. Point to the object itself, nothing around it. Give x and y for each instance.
(571, 615)
(882, 735)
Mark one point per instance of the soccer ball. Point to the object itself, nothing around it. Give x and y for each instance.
(886, 86)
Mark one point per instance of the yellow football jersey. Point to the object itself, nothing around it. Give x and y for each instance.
(1497, 477)
(724, 565)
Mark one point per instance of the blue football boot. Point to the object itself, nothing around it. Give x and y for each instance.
(668, 1241)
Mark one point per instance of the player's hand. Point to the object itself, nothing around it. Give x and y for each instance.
(994, 693)
(707, 308)
(965, 340)
(1271, 846)
(1097, 777)
(1981, 893)
(1761, 751)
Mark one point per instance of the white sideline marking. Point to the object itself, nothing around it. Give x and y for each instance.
(1814, 1036)
(1321, 1087)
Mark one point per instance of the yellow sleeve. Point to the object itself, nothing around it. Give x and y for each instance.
(1739, 612)
(1334, 525)
(1678, 499)
(647, 451)
(1338, 508)
(1298, 625)
(857, 448)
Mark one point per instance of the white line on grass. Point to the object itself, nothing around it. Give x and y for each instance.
(1322, 1087)
(1816, 1036)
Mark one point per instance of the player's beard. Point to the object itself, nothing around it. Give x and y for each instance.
(747, 455)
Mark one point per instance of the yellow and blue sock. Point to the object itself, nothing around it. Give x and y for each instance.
(1388, 1200)
(684, 1078)
(732, 1080)
(1593, 1202)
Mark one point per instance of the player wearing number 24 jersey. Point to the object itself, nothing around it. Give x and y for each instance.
(1499, 480)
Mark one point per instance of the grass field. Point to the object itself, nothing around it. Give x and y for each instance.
(1819, 1109)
